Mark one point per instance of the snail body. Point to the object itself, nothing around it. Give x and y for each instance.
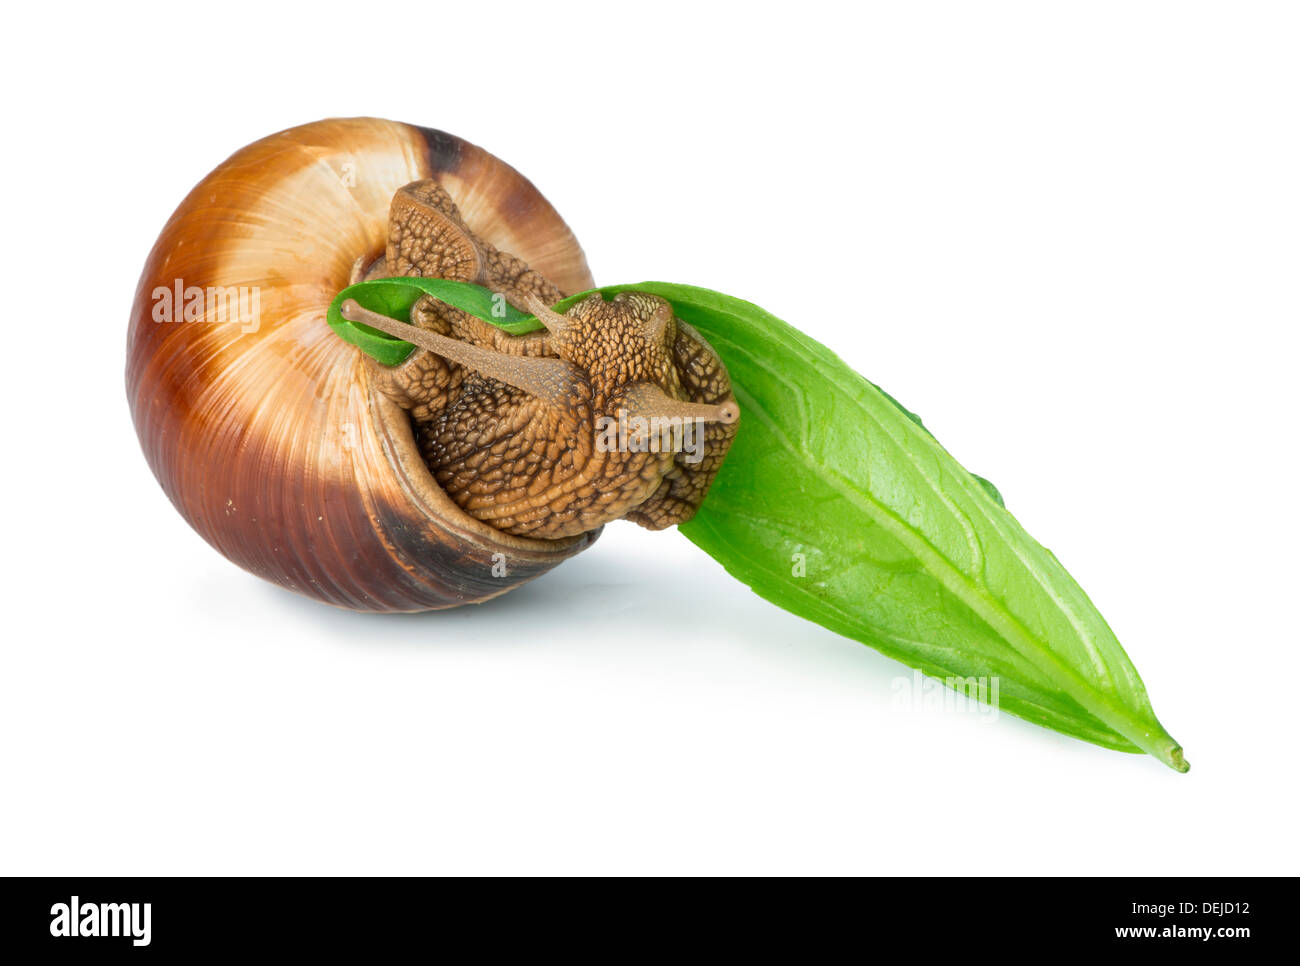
(463, 472)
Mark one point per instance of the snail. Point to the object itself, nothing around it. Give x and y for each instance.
(321, 392)
(471, 467)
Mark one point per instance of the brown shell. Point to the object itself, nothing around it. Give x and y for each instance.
(272, 443)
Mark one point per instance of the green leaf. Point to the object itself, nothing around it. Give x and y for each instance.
(903, 549)
(395, 296)
(992, 490)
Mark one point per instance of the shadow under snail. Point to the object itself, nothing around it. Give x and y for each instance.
(454, 476)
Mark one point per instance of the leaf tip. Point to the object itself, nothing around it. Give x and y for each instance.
(1176, 761)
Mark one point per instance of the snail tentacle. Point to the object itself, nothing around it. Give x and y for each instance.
(551, 380)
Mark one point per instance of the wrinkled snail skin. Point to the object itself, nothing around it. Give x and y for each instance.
(264, 428)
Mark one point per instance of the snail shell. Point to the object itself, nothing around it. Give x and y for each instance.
(262, 425)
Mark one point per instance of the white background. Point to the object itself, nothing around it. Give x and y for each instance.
(1066, 235)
